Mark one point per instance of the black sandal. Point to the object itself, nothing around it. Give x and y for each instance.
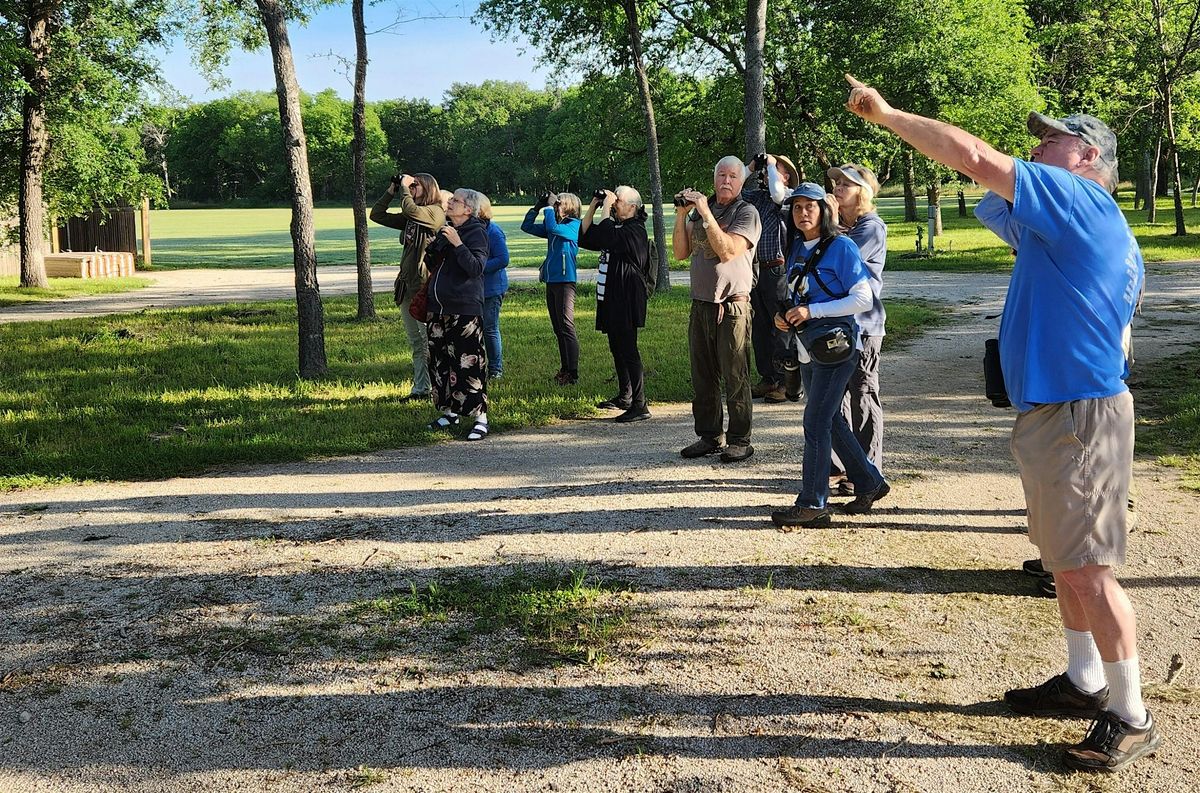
(443, 422)
(478, 432)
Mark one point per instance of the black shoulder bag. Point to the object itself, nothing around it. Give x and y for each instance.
(830, 341)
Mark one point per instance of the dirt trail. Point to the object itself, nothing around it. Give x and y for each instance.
(864, 657)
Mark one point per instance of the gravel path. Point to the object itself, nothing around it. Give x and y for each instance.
(864, 657)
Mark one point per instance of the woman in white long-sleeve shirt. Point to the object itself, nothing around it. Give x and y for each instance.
(826, 278)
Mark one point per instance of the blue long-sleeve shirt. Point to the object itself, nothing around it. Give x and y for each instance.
(563, 244)
(495, 270)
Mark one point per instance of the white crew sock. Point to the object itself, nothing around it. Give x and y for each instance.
(1084, 666)
(481, 418)
(1125, 691)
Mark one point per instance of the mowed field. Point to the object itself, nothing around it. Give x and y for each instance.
(183, 238)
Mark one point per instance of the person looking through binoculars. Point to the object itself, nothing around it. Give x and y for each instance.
(718, 235)
(421, 216)
(624, 282)
(560, 228)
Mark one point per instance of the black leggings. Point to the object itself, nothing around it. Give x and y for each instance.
(560, 301)
(627, 360)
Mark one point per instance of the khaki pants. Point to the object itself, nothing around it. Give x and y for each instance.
(419, 341)
(718, 354)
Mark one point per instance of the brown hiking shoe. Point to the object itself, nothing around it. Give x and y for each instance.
(862, 504)
(775, 395)
(760, 389)
(797, 517)
(1112, 743)
(700, 448)
(1058, 696)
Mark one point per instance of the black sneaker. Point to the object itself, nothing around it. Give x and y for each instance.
(797, 517)
(1058, 696)
(633, 414)
(613, 404)
(862, 504)
(1047, 588)
(1034, 568)
(1112, 743)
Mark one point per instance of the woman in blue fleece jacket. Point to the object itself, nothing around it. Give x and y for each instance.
(560, 227)
(495, 285)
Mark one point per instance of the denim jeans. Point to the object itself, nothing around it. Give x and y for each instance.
(825, 429)
(491, 335)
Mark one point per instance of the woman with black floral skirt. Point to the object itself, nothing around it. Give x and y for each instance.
(457, 359)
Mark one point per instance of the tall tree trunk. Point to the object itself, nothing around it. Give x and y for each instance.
(661, 240)
(933, 191)
(358, 151)
(35, 143)
(756, 36)
(304, 256)
(1152, 181)
(910, 187)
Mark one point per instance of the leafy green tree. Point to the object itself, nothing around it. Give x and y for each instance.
(70, 72)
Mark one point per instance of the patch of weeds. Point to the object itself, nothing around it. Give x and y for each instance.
(766, 591)
(365, 776)
(1164, 692)
(560, 615)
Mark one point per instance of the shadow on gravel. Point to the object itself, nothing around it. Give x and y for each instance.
(495, 727)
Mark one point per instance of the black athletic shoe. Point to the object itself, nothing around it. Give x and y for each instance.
(613, 404)
(1034, 568)
(701, 448)
(1058, 696)
(633, 414)
(1112, 743)
(1047, 588)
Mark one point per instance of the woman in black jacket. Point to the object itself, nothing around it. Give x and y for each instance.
(457, 361)
(623, 284)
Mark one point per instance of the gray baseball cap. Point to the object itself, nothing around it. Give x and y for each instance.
(1090, 129)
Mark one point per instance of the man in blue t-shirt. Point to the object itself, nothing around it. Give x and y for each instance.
(1073, 291)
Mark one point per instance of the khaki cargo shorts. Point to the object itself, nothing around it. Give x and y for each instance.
(1076, 462)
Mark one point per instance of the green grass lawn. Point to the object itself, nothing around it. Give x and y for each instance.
(11, 294)
(1168, 398)
(161, 393)
(259, 238)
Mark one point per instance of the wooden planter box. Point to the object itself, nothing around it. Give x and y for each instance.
(94, 264)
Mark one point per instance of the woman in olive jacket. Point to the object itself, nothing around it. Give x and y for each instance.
(419, 218)
(457, 358)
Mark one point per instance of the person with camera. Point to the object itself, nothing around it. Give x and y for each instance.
(458, 256)
(828, 285)
(624, 281)
(765, 189)
(855, 188)
(718, 234)
(1073, 293)
(420, 216)
(560, 228)
(495, 286)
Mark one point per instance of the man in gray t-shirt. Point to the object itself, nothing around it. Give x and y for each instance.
(718, 234)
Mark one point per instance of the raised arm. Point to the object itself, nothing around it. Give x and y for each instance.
(529, 226)
(379, 212)
(568, 230)
(937, 140)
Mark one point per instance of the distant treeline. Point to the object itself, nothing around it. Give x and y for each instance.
(503, 138)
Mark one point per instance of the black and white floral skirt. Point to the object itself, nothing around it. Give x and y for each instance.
(458, 363)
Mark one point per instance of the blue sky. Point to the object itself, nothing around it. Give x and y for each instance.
(418, 59)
